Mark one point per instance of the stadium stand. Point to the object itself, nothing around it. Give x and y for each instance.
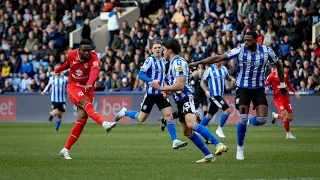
(35, 37)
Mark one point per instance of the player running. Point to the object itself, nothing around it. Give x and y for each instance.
(179, 85)
(153, 70)
(252, 59)
(84, 69)
(281, 101)
(58, 85)
(215, 76)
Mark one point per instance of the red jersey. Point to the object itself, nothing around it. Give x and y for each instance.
(81, 71)
(274, 80)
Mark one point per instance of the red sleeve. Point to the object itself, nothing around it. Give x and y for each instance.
(288, 83)
(94, 72)
(64, 66)
(269, 80)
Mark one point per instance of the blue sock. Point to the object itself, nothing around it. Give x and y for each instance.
(205, 120)
(132, 114)
(172, 130)
(206, 134)
(241, 132)
(253, 121)
(58, 122)
(196, 139)
(223, 119)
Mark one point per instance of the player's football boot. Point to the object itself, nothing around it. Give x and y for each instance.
(221, 148)
(273, 117)
(50, 118)
(207, 160)
(65, 154)
(290, 136)
(163, 123)
(178, 144)
(108, 125)
(220, 133)
(240, 155)
(120, 114)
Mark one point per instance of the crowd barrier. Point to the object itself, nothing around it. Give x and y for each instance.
(33, 107)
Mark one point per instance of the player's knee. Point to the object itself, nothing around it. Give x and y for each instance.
(187, 132)
(243, 119)
(209, 116)
(82, 121)
(59, 116)
(228, 111)
(262, 120)
(142, 118)
(168, 117)
(289, 117)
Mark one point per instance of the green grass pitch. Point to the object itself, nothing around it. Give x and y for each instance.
(30, 151)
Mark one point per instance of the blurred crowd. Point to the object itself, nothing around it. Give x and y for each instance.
(34, 38)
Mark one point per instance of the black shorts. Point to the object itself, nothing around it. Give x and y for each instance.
(246, 96)
(217, 102)
(185, 106)
(150, 100)
(200, 100)
(60, 106)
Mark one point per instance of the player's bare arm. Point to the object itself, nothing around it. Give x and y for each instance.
(203, 84)
(178, 86)
(210, 60)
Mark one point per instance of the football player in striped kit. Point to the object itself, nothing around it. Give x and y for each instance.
(153, 70)
(252, 59)
(179, 87)
(58, 84)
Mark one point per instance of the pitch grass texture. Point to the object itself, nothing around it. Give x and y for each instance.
(30, 151)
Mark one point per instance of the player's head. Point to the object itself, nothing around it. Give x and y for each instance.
(85, 49)
(250, 39)
(170, 48)
(156, 48)
(219, 64)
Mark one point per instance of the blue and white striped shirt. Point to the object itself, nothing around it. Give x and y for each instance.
(179, 67)
(252, 65)
(58, 93)
(216, 77)
(154, 69)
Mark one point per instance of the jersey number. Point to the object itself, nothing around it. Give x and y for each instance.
(80, 93)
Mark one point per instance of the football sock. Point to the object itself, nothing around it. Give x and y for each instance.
(205, 120)
(175, 115)
(92, 113)
(253, 121)
(286, 125)
(241, 132)
(58, 122)
(195, 138)
(132, 114)
(206, 133)
(75, 133)
(172, 130)
(279, 116)
(205, 113)
(223, 119)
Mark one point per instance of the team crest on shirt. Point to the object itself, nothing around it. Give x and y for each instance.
(79, 72)
(144, 107)
(186, 107)
(85, 65)
(180, 68)
(95, 64)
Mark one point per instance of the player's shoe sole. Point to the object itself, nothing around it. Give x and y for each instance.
(108, 129)
(163, 124)
(65, 154)
(120, 114)
(273, 119)
(179, 145)
(291, 137)
(220, 149)
(206, 160)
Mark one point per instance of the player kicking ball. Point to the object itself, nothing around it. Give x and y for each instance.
(215, 77)
(179, 85)
(153, 70)
(84, 68)
(281, 101)
(58, 85)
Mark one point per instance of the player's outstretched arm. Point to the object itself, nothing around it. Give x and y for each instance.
(47, 87)
(210, 60)
(177, 86)
(142, 75)
(203, 84)
(63, 67)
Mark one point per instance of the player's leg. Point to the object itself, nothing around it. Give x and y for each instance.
(196, 139)
(278, 102)
(61, 110)
(213, 109)
(188, 108)
(260, 101)
(242, 102)
(75, 133)
(53, 112)
(289, 118)
(165, 107)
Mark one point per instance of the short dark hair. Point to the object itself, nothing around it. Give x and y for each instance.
(156, 42)
(85, 42)
(172, 44)
(253, 34)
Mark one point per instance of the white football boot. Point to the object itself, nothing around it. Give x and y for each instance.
(220, 133)
(65, 153)
(240, 155)
(108, 125)
(120, 114)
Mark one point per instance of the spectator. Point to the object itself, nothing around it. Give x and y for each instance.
(33, 86)
(100, 83)
(113, 24)
(115, 82)
(140, 87)
(86, 30)
(7, 87)
(311, 84)
(24, 84)
(26, 67)
(316, 75)
(125, 86)
(6, 68)
(31, 42)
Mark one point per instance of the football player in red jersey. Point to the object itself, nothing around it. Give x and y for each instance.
(84, 68)
(281, 101)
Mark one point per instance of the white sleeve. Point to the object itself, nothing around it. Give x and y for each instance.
(146, 65)
(272, 57)
(206, 73)
(233, 52)
(48, 85)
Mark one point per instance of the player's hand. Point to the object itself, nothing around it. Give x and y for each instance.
(266, 89)
(155, 81)
(155, 85)
(297, 95)
(283, 88)
(193, 64)
(88, 87)
(207, 94)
